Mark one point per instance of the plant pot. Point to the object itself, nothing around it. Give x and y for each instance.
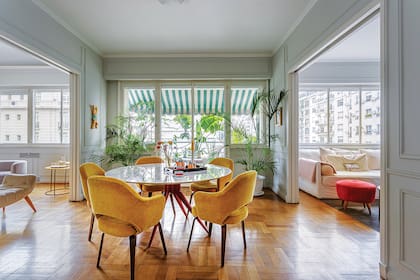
(259, 186)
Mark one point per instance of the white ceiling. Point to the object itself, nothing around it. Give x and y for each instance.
(361, 45)
(203, 27)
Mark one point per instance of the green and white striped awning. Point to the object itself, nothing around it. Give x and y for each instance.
(206, 100)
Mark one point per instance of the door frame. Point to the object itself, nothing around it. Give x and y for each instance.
(292, 195)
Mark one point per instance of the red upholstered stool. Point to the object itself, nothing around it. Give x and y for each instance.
(356, 191)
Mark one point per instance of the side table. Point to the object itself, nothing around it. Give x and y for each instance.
(53, 172)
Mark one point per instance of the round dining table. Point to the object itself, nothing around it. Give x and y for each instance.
(159, 174)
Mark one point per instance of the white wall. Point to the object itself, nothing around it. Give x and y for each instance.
(26, 24)
(341, 73)
(189, 68)
(32, 76)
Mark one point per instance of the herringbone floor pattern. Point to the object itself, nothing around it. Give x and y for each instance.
(309, 240)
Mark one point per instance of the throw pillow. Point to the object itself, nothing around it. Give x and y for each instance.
(327, 169)
(373, 157)
(348, 163)
(323, 152)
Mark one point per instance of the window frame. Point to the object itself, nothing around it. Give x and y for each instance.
(30, 92)
(359, 102)
(122, 107)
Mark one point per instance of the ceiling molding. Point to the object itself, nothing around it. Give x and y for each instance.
(25, 67)
(67, 26)
(184, 55)
(294, 26)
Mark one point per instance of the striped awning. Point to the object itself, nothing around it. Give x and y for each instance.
(206, 100)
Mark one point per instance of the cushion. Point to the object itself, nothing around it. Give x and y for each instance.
(327, 169)
(348, 163)
(374, 158)
(323, 152)
(309, 154)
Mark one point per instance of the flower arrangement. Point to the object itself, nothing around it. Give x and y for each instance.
(166, 149)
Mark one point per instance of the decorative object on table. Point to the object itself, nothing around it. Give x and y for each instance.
(93, 116)
(87, 170)
(122, 212)
(229, 206)
(166, 149)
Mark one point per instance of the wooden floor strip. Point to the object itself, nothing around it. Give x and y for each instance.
(309, 240)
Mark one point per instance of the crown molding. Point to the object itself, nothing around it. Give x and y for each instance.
(185, 55)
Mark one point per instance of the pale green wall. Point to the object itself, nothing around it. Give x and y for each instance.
(26, 24)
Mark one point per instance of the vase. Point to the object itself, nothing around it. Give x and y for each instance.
(258, 191)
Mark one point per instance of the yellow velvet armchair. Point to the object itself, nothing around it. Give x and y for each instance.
(209, 186)
(86, 170)
(122, 212)
(228, 206)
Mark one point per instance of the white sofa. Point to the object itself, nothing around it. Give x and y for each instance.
(12, 167)
(316, 169)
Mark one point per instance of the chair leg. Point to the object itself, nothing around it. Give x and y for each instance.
(150, 194)
(100, 250)
(92, 220)
(210, 228)
(29, 201)
(4, 210)
(223, 245)
(172, 203)
(192, 228)
(191, 197)
(243, 233)
(152, 236)
(368, 207)
(162, 239)
(132, 255)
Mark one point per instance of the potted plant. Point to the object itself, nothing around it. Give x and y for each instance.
(259, 159)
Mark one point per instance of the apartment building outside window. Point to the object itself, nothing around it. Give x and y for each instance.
(350, 116)
(41, 109)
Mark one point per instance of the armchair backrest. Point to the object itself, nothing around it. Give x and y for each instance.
(86, 170)
(148, 160)
(225, 162)
(216, 207)
(240, 191)
(114, 198)
(23, 181)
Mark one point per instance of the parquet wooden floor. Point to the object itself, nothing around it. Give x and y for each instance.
(309, 240)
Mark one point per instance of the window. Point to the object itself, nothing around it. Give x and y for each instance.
(7, 137)
(368, 130)
(196, 113)
(338, 115)
(46, 108)
(49, 111)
